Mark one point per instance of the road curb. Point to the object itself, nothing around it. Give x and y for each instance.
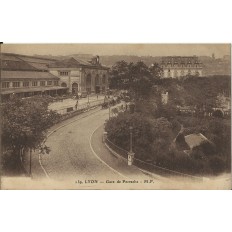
(53, 131)
(112, 169)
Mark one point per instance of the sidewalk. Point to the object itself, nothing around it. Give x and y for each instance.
(72, 102)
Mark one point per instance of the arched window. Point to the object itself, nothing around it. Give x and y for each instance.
(88, 83)
(63, 85)
(104, 79)
(74, 88)
(197, 73)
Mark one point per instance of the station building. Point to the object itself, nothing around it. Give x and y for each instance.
(180, 66)
(81, 76)
(25, 76)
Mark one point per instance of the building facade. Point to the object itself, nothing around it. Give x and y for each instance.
(180, 66)
(81, 76)
(25, 76)
(26, 84)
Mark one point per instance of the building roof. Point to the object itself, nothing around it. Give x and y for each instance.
(194, 140)
(26, 63)
(16, 65)
(181, 61)
(39, 66)
(74, 63)
(35, 59)
(17, 62)
(67, 63)
(17, 75)
(27, 58)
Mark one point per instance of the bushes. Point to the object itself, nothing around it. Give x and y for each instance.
(217, 164)
(153, 143)
(118, 130)
(151, 137)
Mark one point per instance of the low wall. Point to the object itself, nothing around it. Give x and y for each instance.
(121, 153)
(69, 109)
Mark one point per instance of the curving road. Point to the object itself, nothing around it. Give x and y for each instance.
(71, 155)
(77, 153)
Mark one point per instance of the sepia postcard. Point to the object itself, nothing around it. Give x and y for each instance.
(115, 116)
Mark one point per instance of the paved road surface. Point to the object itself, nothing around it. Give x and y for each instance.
(71, 155)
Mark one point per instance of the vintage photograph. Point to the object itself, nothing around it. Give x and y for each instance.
(115, 116)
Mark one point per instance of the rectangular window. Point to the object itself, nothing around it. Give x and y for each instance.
(26, 84)
(34, 83)
(56, 83)
(42, 83)
(64, 73)
(5, 85)
(49, 82)
(16, 84)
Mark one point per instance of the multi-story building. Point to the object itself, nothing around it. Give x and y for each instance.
(180, 66)
(81, 76)
(26, 76)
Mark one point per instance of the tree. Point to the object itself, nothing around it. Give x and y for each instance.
(156, 71)
(119, 75)
(141, 87)
(136, 77)
(24, 124)
(140, 81)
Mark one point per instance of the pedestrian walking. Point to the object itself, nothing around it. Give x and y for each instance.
(76, 105)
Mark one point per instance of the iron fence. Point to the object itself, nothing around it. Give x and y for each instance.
(149, 166)
(120, 152)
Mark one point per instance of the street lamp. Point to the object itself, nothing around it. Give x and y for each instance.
(131, 154)
(30, 163)
(88, 99)
(109, 108)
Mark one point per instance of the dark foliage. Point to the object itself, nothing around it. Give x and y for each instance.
(24, 124)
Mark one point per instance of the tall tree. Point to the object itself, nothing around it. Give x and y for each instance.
(156, 71)
(24, 123)
(141, 80)
(119, 75)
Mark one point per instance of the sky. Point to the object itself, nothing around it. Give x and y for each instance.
(219, 50)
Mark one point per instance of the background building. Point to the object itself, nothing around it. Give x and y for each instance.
(179, 66)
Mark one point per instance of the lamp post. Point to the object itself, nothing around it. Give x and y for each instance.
(30, 164)
(109, 108)
(131, 154)
(88, 99)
